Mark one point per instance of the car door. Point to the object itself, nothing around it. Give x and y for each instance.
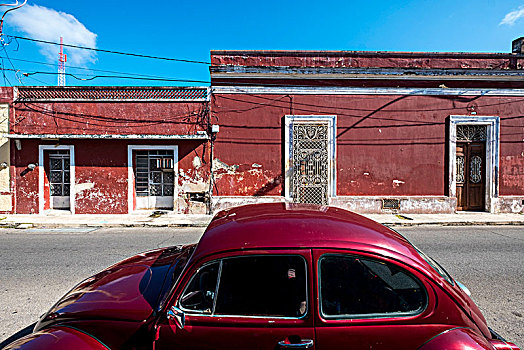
(370, 302)
(244, 300)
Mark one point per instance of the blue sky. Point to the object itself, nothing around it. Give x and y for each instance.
(190, 29)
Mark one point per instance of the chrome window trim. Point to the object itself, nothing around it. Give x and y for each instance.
(178, 303)
(435, 266)
(371, 315)
(215, 297)
(212, 314)
(445, 275)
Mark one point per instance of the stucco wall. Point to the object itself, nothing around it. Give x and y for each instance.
(101, 174)
(386, 145)
(5, 196)
(165, 118)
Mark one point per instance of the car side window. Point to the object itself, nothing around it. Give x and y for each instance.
(353, 287)
(255, 285)
(199, 295)
(263, 286)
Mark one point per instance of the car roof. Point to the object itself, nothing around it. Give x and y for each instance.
(285, 225)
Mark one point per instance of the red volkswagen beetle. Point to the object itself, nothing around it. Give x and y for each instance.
(271, 276)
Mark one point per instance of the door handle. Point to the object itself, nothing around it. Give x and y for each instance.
(301, 344)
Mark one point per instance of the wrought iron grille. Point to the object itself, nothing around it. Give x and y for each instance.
(59, 176)
(110, 93)
(460, 169)
(475, 171)
(468, 133)
(310, 163)
(150, 178)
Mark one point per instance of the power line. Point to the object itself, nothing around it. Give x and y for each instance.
(12, 65)
(108, 76)
(88, 69)
(110, 51)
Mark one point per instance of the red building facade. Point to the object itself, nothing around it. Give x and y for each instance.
(370, 131)
(108, 150)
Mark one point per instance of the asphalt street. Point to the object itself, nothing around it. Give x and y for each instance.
(37, 266)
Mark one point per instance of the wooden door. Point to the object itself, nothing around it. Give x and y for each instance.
(470, 177)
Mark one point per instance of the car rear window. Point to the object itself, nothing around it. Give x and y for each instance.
(436, 266)
(354, 287)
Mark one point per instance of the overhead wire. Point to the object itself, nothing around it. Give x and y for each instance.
(27, 74)
(110, 51)
(11, 62)
(135, 76)
(89, 69)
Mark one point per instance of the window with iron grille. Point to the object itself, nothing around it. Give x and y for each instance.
(154, 174)
(467, 133)
(310, 163)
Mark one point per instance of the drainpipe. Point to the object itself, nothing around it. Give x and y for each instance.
(213, 134)
(211, 177)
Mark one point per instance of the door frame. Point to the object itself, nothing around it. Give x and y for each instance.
(332, 151)
(131, 175)
(492, 124)
(41, 171)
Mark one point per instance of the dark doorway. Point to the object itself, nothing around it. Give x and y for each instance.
(471, 178)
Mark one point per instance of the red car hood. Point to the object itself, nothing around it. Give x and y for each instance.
(130, 290)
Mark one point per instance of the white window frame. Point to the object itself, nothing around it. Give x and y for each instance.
(332, 151)
(131, 175)
(72, 192)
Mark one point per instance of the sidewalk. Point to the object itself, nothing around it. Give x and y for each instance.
(157, 219)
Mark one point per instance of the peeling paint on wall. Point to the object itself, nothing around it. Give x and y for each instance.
(513, 172)
(83, 187)
(246, 180)
(197, 162)
(220, 167)
(397, 183)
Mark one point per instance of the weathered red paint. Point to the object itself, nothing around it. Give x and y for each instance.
(101, 170)
(107, 118)
(386, 145)
(358, 59)
(102, 163)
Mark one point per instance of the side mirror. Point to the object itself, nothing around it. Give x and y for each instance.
(176, 315)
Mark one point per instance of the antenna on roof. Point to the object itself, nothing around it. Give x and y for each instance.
(62, 59)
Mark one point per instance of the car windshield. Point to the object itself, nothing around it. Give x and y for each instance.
(175, 270)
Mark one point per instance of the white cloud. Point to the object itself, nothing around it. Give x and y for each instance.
(511, 17)
(43, 23)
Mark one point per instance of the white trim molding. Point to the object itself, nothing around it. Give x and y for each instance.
(288, 144)
(328, 90)
(72, 192)
(131, 175)
(492, 124)
(199, 136)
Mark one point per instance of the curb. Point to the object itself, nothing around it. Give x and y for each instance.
(468, 223)
(22, 226)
